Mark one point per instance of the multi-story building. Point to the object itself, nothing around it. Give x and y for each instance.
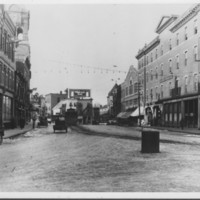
(129, 90)
(114, 100)
(169, 71)
(20, 18)
(7, 69)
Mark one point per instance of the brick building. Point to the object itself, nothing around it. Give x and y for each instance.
(169, 71)
(114, 101)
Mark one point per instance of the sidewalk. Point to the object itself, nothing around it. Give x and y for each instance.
(194, 131)
(17, 131)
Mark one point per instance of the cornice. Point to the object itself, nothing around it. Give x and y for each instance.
(148, 47)
(185, 18)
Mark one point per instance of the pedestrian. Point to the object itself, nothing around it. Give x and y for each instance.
(34, 119)
(182, 123)
(22, 122)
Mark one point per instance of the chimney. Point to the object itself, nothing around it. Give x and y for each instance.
(60, 92)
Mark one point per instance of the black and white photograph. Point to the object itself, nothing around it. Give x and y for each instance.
(99, 99)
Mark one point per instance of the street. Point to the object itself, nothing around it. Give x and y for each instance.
(43, 161)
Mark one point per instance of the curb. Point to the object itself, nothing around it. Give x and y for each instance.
(171, 130)
(17, 134)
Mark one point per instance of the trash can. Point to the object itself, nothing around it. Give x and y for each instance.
(150, 141)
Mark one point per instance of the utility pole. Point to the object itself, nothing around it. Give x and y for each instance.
(139, 100)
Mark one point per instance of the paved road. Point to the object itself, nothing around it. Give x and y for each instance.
(44, 161)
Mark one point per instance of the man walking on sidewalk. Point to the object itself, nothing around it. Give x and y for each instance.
(34, 119)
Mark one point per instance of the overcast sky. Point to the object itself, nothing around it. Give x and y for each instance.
(70, 44)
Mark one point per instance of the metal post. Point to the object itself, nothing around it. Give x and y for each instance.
(139, 100)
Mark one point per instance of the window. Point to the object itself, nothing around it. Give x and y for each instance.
(151, 94)
(131, 87)
(186, 36)
(161, 50)
(161, 91)
(156, 73)
(156, 93)
(161, 70)
(170, 44)
(58, 99)
(195, 82)
(170, 66)
(186, 83)
(151, 75)
(186, 58)
(147, 60)
(177, 39)
(195, 53)
(151, 57)
(195, 27)
(170, 89)
(126, 91)
(177, 62)
(156, 55)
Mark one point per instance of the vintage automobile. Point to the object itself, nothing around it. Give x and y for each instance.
(42, 121)
(60, 124)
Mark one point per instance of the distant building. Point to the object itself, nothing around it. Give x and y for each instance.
(114, 101)
(53, 99)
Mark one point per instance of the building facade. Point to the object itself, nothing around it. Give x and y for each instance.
(20, 18)
(7, 69)
(114, 101)
(169, 71)
(53, 99)
(129, 90)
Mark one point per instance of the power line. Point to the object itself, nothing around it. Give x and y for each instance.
(102, 69)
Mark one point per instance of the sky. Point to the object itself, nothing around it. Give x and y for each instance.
(90, 46)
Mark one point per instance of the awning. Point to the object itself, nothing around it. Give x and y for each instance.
(120, 114)
(124, 115)
(136, 112)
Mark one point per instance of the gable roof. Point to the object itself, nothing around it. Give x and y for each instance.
(165, 22)
(130, 71)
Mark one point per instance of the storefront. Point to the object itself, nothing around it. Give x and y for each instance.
(185, 110)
